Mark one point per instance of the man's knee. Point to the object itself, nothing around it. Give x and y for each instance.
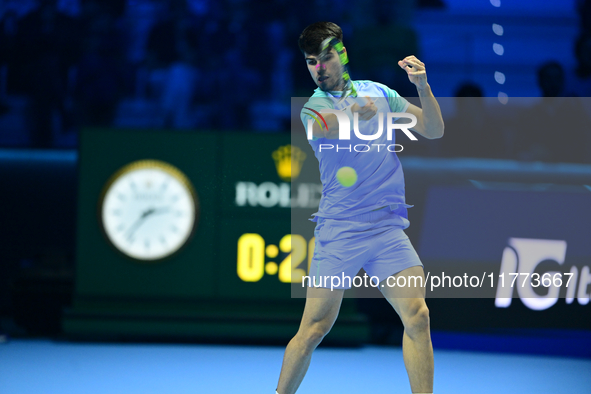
(313, 335)
(417, 320)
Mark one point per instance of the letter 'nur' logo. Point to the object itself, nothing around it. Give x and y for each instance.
(345, 124)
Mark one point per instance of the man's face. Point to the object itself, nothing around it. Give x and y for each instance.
(328, 73)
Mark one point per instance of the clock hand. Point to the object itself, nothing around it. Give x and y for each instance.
(161, 210)
(139, 221)
(148, 212)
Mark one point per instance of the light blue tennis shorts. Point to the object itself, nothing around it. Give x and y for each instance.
(375, 241)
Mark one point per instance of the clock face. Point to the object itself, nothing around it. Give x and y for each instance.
(148, 210)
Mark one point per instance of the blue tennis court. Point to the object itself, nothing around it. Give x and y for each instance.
(43, 366)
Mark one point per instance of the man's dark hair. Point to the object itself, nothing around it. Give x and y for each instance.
(313, 35)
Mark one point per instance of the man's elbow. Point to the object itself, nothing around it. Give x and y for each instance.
(440, 133)
(437, 132)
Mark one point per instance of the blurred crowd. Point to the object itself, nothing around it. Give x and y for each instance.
(553, 128)
(233, 65)
(138, 63)
(186, 64)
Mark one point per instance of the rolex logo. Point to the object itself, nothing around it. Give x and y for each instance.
(288, 161)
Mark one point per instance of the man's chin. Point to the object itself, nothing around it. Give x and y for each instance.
(324, 86)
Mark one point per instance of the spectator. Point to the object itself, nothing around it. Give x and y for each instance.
(554, 130)
(380, 43)
(8, 24)
(100, 82)
(472, 131)
(246, 63)
(579, 82)
(584, 9)
(47, 47)
(173, 58)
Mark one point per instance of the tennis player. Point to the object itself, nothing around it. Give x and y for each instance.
(362, 225)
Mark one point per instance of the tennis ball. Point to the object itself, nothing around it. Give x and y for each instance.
(346, 176)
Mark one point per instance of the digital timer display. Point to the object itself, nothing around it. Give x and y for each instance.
(251, 266)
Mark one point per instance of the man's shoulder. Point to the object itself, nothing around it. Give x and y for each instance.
(319, 100)
(364, 83)
(367, 86)
(319, 93)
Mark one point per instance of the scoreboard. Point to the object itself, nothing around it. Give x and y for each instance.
(233, 277)
(249, 196)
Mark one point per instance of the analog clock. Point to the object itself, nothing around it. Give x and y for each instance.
(148, 210)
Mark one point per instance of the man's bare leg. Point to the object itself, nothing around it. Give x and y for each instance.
(417, 350)
(321, 311)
